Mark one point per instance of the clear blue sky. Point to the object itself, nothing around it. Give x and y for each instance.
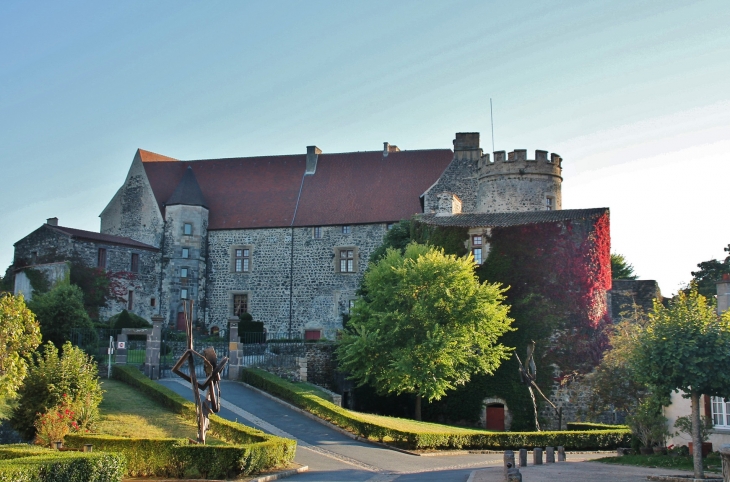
(634, 95)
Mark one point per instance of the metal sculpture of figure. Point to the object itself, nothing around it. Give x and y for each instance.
(528, 375)
(213, 369)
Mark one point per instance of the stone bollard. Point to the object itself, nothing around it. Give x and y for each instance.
(88, 447)
(549, 455)
(58, 445)
(513, 474)
(509, 461)
(523, 457)
(537, 456)
(561, 454)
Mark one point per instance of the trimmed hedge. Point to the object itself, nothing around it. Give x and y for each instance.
(348, 420)
(253, 450)
(53, 466)
(572, 426)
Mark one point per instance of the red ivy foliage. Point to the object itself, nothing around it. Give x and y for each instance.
(567, 264)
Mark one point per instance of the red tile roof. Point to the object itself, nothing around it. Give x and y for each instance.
(100, 237)
(347, 188)
(148, 156)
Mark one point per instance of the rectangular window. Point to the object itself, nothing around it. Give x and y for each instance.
(317, 232)
(33, 257)
(389, 226)
(242, 260)
(312, 334)
(240, 304)
(350, 305)
(183, 272)
(720, 412)
(347, 260)
(346, 229)
(476, 240)
(130, 300)
(477, 252)
(549, 203)
(187, 229)
(152, 302)
(185, 253)
(135, 263)
(101, 258)
(184, 294)
(476, 248)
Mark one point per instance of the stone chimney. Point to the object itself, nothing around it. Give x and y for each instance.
(52, 221)
(448, 204)
(466, 146)
(313, 153)
(389, 148)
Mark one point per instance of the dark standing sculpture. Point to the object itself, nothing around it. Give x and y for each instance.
(213, 370)
(528, 375)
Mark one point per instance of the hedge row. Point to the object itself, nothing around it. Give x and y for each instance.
(572, 426)
(46, 465)
(253, 450)
(348, 420)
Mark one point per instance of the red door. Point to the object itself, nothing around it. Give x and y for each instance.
(495, 418)
(180, 321)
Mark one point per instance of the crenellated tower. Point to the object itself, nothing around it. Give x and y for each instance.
(513, 182)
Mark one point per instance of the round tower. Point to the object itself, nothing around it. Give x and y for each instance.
(514, 183)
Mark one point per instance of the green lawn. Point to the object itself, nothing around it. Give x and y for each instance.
(682, 462)
(127, 413)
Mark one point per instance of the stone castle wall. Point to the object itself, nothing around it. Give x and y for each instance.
(319, 293)
(133, 211)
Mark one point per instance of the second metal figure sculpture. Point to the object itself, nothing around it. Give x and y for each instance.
(528, 375)
(213, 369)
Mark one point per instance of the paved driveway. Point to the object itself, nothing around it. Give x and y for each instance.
(335, 457)
(331, 455)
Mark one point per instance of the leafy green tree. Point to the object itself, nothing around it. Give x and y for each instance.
(7, 282)
(60, 312)
(19, 337)
(709, 272)
(50, 377)
(685, 347)
(426, 326)
(620, 268)
(398, 237)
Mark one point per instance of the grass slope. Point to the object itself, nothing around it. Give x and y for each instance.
(125, 412)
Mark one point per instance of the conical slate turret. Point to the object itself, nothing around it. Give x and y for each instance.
(188, 191)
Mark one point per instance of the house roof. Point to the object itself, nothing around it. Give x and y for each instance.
(100, 237)
(347, 188)
(494, 220)
(187, 191)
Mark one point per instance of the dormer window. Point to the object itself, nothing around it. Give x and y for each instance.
(187, 229)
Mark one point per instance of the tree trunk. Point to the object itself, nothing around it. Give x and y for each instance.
(697, 436)
(418, 408)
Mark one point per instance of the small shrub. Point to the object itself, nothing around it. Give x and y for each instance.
(50, 376)
(572, 426)
(56, 423)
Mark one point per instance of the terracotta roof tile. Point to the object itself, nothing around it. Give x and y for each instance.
(347, 188)
(512, 219)
(148, 156)
(100, 237)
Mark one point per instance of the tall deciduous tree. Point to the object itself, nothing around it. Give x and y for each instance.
(19, 337)
(61, 311)
(709, 272)
(425, 326)
(685, 347)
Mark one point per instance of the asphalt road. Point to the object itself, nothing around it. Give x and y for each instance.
(331, 455)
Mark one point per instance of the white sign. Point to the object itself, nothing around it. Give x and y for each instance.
(120, 345)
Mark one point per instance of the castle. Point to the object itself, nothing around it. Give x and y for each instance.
(287, 238)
